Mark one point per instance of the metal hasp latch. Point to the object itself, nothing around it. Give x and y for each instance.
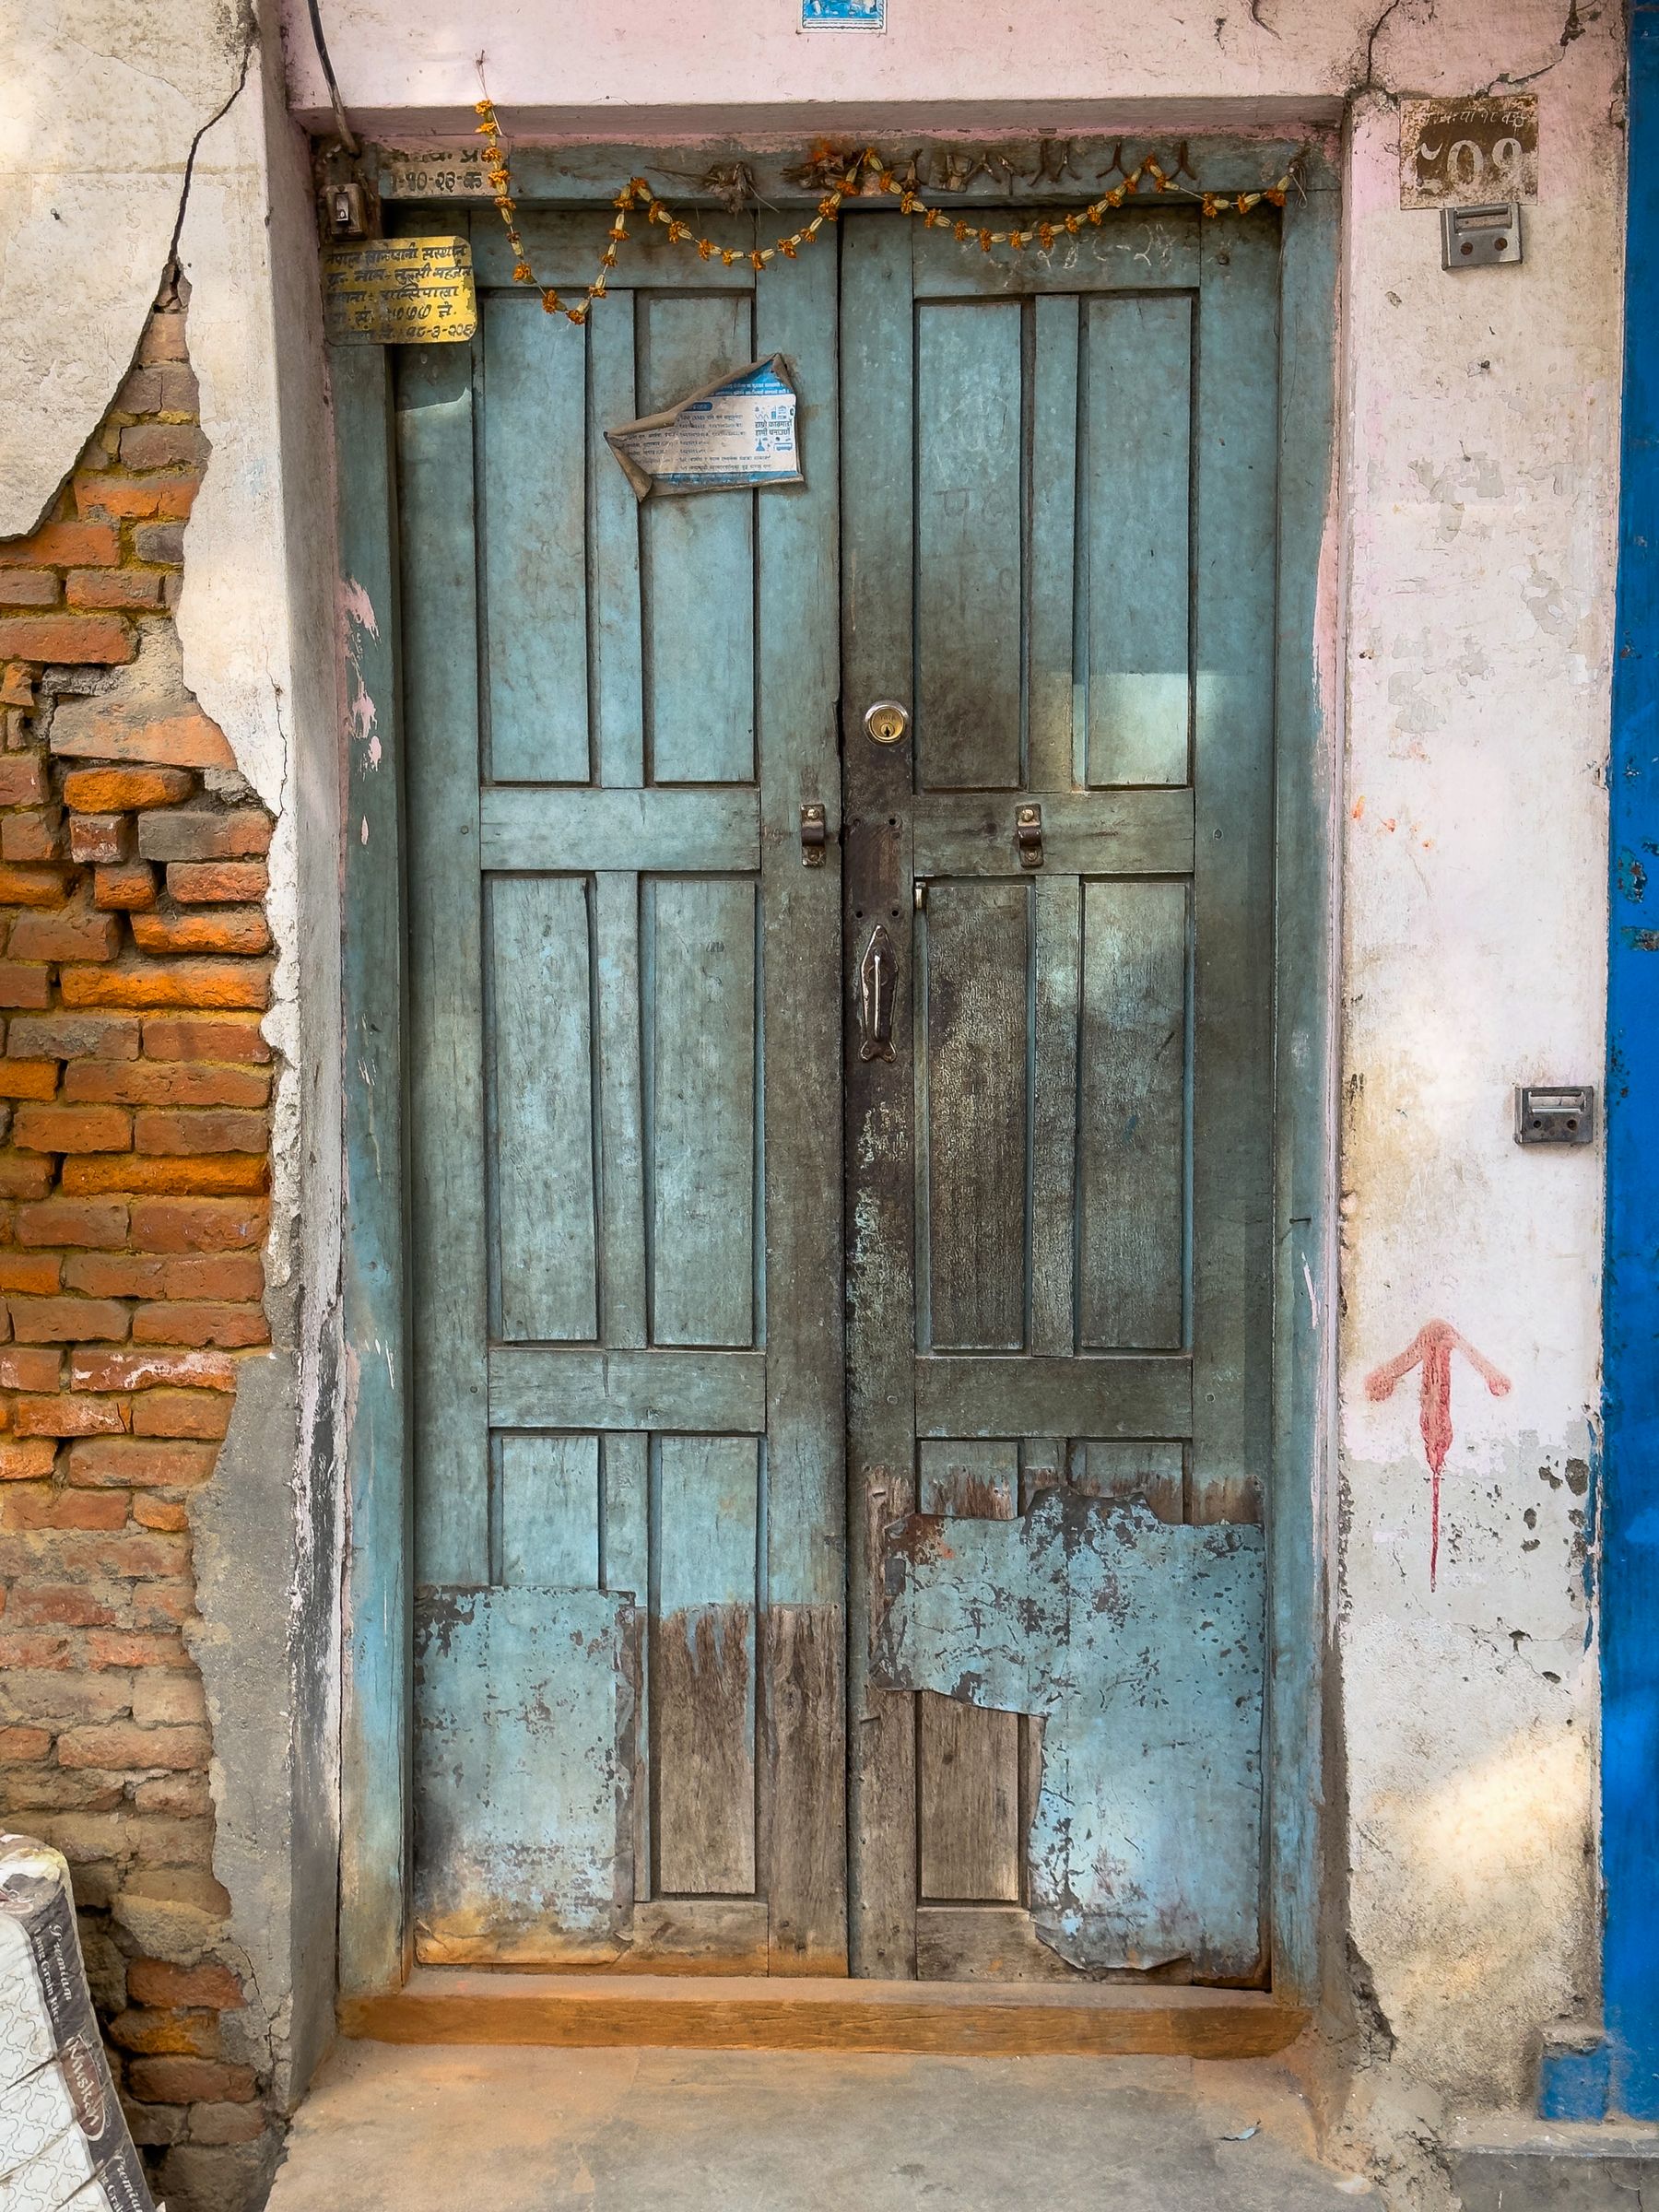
(1028, 836)
(813, 836)
(1555, 1113)
(875, 978)
(1473, 238)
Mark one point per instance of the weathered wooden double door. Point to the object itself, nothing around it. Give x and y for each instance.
(842, 1291)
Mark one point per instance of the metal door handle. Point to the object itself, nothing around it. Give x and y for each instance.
(876, 975)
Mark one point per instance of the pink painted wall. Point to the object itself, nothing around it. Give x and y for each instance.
(597, 67)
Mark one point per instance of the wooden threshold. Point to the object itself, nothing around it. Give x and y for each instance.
(462, 2005)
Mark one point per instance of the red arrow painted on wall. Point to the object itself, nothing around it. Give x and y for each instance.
(1432, 1349)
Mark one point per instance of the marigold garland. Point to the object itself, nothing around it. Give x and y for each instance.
(864, 170)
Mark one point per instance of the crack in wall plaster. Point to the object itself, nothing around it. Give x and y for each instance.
(76, 232)
(1575, 28)
(250, 38)
(1368, 83)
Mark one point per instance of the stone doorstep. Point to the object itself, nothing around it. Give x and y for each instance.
(1504, 2162)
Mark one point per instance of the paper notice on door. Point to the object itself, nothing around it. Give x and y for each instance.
(734, 433)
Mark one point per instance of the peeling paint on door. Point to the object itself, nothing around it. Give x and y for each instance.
(524, 1758)
(1139, 1645)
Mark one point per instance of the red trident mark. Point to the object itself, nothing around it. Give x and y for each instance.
(1432, 1349)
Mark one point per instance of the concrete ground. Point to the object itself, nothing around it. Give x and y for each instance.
(436, 2130)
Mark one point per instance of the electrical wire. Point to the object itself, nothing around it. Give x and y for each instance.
(341, 125)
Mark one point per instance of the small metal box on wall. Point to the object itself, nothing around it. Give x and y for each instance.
(1555, 1113)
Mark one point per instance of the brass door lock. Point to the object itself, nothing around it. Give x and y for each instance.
(886, 722)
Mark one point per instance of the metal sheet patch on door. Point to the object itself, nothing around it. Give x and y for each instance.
(1139, 1645)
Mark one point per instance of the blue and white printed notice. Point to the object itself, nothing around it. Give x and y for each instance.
(844, 15)
(729, 436)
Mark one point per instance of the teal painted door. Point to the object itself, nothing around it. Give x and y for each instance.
(1060, 532)
(682, 1515)
(624, 1037)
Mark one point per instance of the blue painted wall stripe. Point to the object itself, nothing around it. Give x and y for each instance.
(1631, 1504)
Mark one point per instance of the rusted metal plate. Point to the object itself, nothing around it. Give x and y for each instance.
(1460, 152)
(523, 1773)
(1139, 1646)
(399, 292)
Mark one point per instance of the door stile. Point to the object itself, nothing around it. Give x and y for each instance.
(1052, 750)
(802, 1685)
(1236, 503)
(877, 662)
(613, 556)
(434, 418)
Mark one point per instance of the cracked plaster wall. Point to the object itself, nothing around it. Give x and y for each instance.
(130, 129)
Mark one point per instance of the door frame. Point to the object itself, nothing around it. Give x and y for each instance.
(375, 1927)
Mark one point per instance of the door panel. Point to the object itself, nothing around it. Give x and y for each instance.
(703, 1663)
(552, 1507)
(541, 1107)
(625, 1068)
(696, 564)
(968, 516)
(1059, 1186)
(700, 957)
(1132, 1089)
(968, 1760)
(535, 588)
(973, 947)
(1133, 497)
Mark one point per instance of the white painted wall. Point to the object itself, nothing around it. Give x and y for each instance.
(1481, 430)
(1472, 544)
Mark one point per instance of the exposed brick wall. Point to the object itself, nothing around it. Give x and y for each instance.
(134, 962)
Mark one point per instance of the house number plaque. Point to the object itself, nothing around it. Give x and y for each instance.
(1461, 152)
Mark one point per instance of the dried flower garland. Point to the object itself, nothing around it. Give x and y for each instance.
(864, 171)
